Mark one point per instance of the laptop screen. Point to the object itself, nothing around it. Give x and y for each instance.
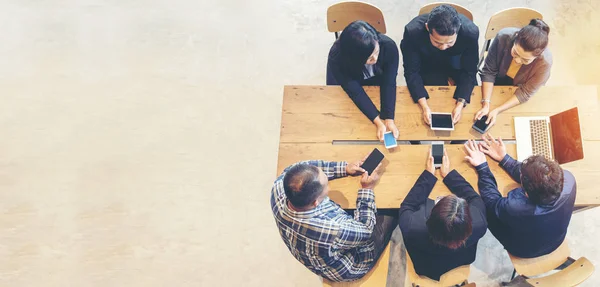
(566, 136)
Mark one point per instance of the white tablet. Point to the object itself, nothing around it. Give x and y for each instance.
(442, 122)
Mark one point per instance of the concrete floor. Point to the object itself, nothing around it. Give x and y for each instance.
(139, 138)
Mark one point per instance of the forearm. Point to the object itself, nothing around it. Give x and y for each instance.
(332, 169)
(511, 102)
(512, 167)
(486, 92)
(464, 86)
(459, 186)
(419, 193)
(366, 208)
(423, 104)
(488, 188)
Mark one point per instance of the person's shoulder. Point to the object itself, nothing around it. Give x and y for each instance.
(416, 26)
(384, 40)
(334, 52)
(517, 203)
(468, 29)
(546, 57)
(506, 34)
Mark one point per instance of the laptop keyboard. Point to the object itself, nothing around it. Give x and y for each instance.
(540, 138)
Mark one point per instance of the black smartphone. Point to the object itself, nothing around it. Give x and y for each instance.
(372, 161)
(480, 125)
(437, 151)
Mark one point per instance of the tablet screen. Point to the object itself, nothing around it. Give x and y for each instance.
(441, 121)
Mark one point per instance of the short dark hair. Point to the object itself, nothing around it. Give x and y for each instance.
(534, 37)
(302, 185)
(449, 224)
(542, 179)
(444, 19)
(357, 43)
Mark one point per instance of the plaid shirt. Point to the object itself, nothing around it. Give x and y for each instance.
(326, 239)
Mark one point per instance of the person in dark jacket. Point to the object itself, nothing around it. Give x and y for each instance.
(532, 220)
(364, 57)
(439, 49)
(440, 236)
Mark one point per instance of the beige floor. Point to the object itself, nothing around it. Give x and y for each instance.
(139, 138)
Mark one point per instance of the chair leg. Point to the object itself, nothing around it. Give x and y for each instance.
(513, 275)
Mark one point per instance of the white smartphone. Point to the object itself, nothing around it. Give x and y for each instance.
(389, 140)
(442, 122)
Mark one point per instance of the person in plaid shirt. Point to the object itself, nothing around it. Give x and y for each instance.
(318, 232)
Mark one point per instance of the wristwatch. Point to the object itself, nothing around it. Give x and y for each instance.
(463, 101)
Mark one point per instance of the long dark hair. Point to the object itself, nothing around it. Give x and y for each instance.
(449, 224)
(533, 38)
(357, 42)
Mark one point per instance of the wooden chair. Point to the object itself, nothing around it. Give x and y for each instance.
(456, 276)
(460, 9)
(341, 14)
(572, 273)
(512, 17)
(375, 278)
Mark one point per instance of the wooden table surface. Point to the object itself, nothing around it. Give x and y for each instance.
(314, 116)
(326, 113)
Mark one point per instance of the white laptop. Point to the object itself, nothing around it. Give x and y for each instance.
(556, 137)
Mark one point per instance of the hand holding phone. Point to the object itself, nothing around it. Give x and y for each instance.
(480, 125)
(389, 140)
(437, 151)
(372, 161)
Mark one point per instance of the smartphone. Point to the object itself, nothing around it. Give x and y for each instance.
(437, 151)
(372, 161)
(442, 122)
(389, 140)
(480, 125)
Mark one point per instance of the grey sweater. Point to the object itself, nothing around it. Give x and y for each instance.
(528, 79)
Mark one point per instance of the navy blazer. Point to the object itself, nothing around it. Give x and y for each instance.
(526, 230)
(430, 259)
(420, 55)
(386, 69)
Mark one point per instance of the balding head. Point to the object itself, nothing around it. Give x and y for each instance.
(304, 184)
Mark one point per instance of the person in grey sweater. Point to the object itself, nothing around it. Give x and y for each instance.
(517, 57)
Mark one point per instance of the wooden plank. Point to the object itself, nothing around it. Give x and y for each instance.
(325, 113)
(407, 162)
(333, 99)
(325, 127)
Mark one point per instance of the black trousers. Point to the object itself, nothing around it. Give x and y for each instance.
(386, 221)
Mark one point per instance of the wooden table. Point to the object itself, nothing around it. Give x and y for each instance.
(314, 116)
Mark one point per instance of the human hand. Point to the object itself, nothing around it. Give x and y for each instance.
(391, 126)
(445, 169)
(484, 111)
(427, 115)
(368, 181)
(457, 112)
(492, 147)
(380, 130)
(474, 155)
(492, 116)
(353, 168)
(429, 166)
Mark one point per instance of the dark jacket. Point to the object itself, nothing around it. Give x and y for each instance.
(526, 229)
(386, 71)
(430, 259)
(420, 56)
